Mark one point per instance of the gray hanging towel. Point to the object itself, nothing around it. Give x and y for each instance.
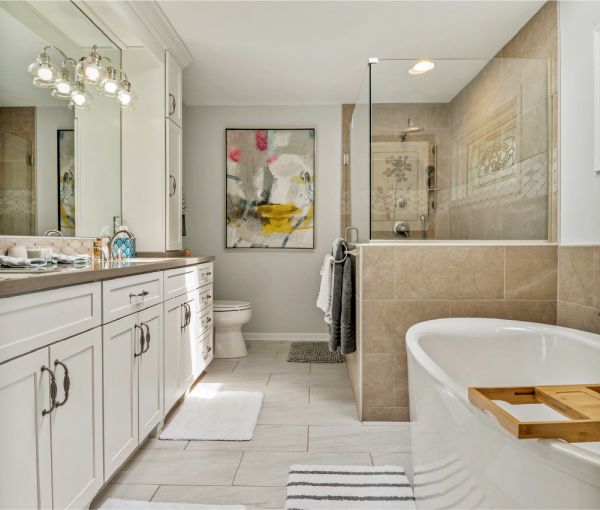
(347, 329)
(340, 248)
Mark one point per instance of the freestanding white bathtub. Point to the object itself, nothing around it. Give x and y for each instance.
(462, 458)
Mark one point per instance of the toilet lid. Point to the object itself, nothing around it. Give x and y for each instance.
(230, 306)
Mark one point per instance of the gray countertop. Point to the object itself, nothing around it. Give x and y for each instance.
(23, 281)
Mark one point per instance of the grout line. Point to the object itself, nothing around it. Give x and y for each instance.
(238, 468)
(154, 493)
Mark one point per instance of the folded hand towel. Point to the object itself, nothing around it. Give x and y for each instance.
(59, 258)
(20, 262)
(324, 299)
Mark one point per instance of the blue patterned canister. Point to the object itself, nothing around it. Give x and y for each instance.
(124, 247)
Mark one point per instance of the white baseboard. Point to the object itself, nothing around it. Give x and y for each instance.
(287, 337)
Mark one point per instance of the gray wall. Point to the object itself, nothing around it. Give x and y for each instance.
(281, 285)
(48, 121)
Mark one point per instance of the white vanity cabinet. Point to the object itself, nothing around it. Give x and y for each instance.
(132, 349)
(87, 372)
(188, 328)
(52, 451)
(180, 326)
(174, 210)
(174, 100)
(26, 460)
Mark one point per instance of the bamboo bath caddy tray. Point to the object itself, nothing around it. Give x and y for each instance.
(578, 402)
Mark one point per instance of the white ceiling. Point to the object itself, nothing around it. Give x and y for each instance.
(315, 52)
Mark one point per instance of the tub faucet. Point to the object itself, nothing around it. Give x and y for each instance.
(111, 241)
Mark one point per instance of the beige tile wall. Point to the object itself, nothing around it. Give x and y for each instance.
(579, 287)
(404, 285)
(17, 174)
(517, 88)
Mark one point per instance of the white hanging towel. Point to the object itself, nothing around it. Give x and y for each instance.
(324, 299)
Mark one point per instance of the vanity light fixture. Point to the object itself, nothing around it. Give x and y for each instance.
(93, 70)
(125, 96)
(421, 67)
(80, 99)
(43, 71)
(63, 87)
(110, 86)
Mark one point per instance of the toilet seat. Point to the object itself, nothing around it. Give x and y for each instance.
(231, 306)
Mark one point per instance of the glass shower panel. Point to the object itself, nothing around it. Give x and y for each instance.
(462, 152)
(360, 154)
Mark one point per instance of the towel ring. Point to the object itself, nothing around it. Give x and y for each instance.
(346, 253)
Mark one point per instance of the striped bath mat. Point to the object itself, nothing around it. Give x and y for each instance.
(348, 487)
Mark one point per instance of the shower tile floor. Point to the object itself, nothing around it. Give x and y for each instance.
(308, 417)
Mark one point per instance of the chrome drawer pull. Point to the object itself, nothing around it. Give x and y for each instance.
(139, 294)
(66, 382)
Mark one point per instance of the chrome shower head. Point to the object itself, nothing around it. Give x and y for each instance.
(410, 129)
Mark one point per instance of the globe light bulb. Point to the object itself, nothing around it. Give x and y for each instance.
(45, 73)
(92, 73)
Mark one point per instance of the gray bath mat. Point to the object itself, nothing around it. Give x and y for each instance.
(313, 352)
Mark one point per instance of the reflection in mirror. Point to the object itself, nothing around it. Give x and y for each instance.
(60, 169)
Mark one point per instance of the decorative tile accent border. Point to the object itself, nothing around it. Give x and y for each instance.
(64, 245)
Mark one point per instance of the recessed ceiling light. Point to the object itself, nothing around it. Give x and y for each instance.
(422, 67)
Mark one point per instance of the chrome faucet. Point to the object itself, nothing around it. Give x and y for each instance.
(111, 241)
(53, 233)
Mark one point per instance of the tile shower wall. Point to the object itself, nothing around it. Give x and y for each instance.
(17, 175)
(579, 287)
(388, 120)
(403, 285)
(514, 98)
(511, 103)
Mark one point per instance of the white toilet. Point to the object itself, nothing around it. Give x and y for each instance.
(230, 316)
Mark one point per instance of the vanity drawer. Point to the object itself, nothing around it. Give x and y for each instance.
(205, 273)
(205, 297)
(35, 320)
(204, 352)
(124, 296)
(205, 321)
(181, 281)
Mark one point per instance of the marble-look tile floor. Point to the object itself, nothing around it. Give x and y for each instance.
(308, 417)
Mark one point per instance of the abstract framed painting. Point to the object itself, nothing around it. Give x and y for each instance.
(66, 181)
(270, 188)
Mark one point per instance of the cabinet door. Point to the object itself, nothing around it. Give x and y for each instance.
(76, 423)
(150, 371)
(25, 461)
(174, 89)
(174, 185)
(187, 349)
(173, 320)
(121, 343)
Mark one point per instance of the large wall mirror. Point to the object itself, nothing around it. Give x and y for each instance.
(60, 168)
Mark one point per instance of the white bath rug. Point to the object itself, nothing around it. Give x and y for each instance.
(131, 504)
(344, 487)
(215, 416)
